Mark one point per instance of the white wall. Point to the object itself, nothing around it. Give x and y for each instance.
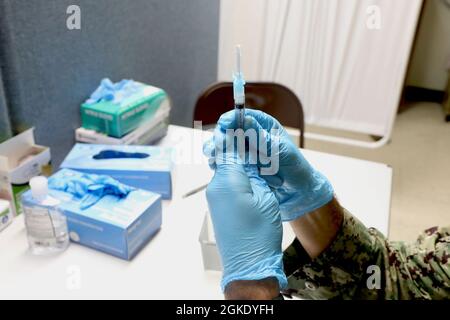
(431, 56)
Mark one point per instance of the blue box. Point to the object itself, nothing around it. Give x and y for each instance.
(152, 173)
(120, 227)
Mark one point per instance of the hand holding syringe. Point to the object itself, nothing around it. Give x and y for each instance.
(239, 105)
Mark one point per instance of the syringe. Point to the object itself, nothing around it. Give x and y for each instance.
(238, 90)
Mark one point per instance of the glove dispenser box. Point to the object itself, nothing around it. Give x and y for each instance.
(117, 226)
(143, 167)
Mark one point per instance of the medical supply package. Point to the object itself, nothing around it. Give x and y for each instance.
(143, 167)
(148, 132)
(20, 160)
(118, 117)
(120, 226)
(6, 215)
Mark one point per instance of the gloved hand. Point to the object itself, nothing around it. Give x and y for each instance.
(247, 223)
(298, 187)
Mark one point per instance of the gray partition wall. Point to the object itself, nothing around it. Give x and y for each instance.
(5, 126)
(48, 70)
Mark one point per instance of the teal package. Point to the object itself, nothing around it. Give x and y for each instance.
(118, 226)
(144, 167)
(118, 119)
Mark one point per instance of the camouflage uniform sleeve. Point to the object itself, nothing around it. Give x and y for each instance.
(362, 264)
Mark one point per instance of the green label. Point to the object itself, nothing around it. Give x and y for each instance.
(18, 190)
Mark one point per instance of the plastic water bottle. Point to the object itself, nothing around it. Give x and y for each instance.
(45, 223)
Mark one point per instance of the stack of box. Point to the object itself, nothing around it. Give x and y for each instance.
(120, 227)
(140, 119)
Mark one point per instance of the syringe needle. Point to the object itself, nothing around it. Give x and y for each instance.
(238, 90)
(238, 59)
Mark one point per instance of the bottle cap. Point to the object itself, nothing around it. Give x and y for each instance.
(39, 187)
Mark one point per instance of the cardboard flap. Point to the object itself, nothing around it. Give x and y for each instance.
(16, 148)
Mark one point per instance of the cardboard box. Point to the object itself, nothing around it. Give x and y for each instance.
(142, 138)
(152, 173)
(210, 252)
(147, 133)
(117, 226)
(117, 120)
(20, 160)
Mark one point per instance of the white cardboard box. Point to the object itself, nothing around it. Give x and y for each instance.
(20, 160)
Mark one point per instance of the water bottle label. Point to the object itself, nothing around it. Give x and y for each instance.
(39, 223)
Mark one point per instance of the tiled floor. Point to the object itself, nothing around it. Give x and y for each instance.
(420, 156)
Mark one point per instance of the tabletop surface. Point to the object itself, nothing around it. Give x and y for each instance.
(170, 266)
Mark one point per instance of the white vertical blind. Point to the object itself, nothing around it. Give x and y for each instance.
(348, 72)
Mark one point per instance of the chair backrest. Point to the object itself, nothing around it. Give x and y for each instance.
(272, 98)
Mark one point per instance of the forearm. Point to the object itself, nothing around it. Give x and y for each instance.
(317, 230)
(266, 289)
(360, 263)
(337, 266)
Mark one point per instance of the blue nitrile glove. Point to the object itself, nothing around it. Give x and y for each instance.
(115, 92)
(298, 187)
(247, 223)
(90, 188)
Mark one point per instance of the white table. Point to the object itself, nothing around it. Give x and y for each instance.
(170, 266)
